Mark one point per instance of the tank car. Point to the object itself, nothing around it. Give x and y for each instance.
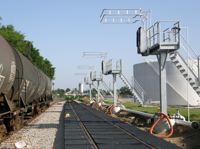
(24, 88)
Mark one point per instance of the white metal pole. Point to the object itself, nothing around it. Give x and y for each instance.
(188, 77)
(114, 90)
(98, 91)
(90, 92)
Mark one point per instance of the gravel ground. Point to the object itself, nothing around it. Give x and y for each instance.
(46, 130)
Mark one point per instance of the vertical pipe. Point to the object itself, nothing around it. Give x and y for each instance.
(158, 32)
(188, 78)
(98, 91)
(114, 90)
(162, 80)
(90, 92)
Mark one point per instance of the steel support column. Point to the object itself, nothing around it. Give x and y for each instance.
(162, 57)
(98, 91)
(90, 91)
(114, 89)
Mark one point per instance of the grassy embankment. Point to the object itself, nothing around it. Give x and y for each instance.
(194, 113)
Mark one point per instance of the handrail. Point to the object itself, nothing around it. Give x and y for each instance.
(189, 45)
(134, 85)
(189, 56)
(131, 80)
(154, 34)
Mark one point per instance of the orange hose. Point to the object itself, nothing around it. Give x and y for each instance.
(165, 116)
(107, 109)
(111, 111)
(87, 102)
(94, 104)
(99, 106)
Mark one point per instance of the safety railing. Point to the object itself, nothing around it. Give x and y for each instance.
(86, 80)
(96, 75)
(155, 35)
(189, 56)
(132, 82)
(113, 64)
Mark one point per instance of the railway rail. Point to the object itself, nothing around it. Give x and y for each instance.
(86, 127)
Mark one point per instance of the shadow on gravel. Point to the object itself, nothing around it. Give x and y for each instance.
(60, 138)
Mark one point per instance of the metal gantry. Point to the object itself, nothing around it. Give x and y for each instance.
(94, 75)
(151, 40)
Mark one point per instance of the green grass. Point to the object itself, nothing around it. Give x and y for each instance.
(194, 113)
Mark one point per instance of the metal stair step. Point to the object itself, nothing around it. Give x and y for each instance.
(195, 88)
(172, 57)
(179, 66)
(192, 83)
(182, 70)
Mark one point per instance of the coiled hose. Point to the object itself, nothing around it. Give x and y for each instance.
(165, 116)
(96, 107)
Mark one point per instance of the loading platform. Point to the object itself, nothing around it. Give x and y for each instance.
(89, 128)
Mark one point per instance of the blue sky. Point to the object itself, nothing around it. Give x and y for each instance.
(64, 29)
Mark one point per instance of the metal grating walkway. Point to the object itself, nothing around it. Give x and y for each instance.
(89, 128)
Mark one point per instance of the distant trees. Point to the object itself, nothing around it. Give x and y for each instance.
(67, 90)
(125, 91)
(93, 92)
(16, 39)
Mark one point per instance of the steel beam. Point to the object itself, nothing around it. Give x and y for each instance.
(162, 57)
(114, 89)
(90, 91)
(98, 91)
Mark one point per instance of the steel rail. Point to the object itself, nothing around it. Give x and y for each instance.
(121, 129)
(87, 133)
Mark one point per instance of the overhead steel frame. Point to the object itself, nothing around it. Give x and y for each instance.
(117, 16)
(95, 55)
(149, 46)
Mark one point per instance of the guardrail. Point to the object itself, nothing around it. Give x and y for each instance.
(113, 64)
(155, 35)
(132, 82)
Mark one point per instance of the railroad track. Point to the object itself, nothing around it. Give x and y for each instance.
(86, 127)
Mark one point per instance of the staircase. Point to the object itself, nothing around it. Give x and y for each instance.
(132, 84)
(101, 93)
(179, 58)
(182, 65)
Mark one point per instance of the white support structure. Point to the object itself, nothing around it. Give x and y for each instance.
(114, 89)
(86, 80)
(151, 40)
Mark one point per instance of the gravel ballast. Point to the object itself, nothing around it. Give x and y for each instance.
(47, 130)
